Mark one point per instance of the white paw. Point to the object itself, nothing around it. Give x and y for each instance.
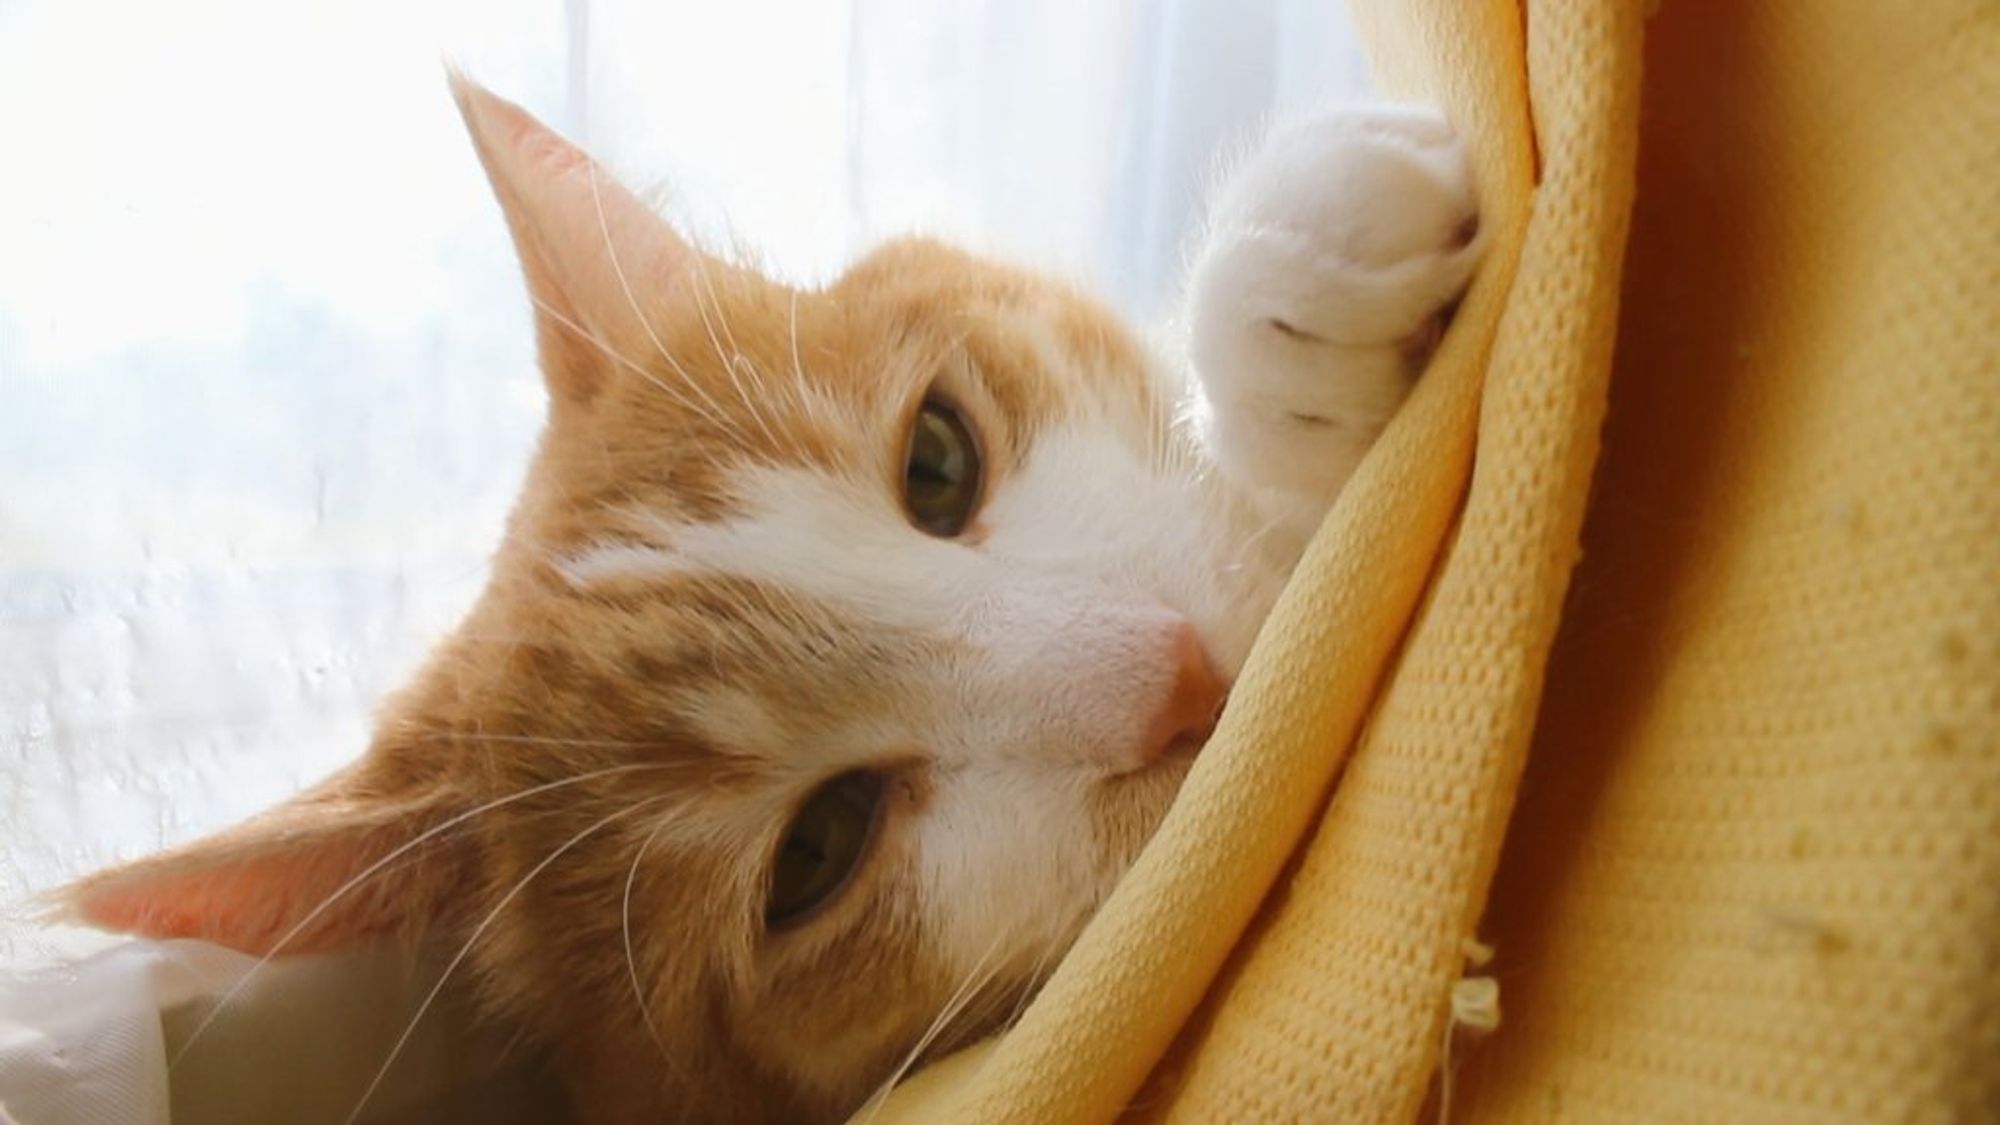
(1331, 257)
(1353, 228)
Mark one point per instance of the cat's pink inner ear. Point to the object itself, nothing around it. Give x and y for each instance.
(306, 877)
(594, 255)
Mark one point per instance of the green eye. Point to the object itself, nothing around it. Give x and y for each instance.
(822, 847)
(941, 479)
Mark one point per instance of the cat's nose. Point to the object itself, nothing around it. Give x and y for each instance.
(1189, 712)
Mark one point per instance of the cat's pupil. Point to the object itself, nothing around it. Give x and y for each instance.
(823, 846)
(941, 478)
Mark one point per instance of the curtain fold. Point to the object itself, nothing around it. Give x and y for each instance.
(1755, 870)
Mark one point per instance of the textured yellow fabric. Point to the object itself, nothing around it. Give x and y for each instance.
(1754, 873)
(1755, 870)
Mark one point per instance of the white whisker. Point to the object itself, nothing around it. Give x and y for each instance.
(552, 740)
(718, 418)
(631, 962)
(721, 321)
(368, 872)
(1033, 984)
(798, 368)
(479, 930)
(612, 353)
(976, 978)
(727, 359)
(1243, 549)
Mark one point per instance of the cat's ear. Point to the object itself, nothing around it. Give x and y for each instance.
(344, 862)
(594, 255)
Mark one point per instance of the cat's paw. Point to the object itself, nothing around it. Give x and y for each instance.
(1354, 228)
(1331, 258)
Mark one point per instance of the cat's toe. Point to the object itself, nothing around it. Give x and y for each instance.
(1366, 222)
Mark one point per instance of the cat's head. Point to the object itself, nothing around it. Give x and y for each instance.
(843, 649)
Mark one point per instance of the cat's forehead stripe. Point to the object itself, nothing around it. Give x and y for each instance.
(818, 539)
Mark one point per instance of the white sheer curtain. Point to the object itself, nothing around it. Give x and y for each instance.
(265, 374)
(1078, 137)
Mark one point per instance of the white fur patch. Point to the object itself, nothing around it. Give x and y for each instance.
(613, 562)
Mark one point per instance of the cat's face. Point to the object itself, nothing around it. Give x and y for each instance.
(902, 601)
(844, 648)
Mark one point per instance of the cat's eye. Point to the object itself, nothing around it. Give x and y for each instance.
(824, 844)
(941, 476)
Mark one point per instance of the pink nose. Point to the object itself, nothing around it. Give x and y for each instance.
(1189, 712)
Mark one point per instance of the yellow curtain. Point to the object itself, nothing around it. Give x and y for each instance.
(1753, 872)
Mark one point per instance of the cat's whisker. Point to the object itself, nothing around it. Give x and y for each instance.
(1178, 458)
(976, 979)
(430, 998)
(1243, 549)
(285, 939)
(748, 367)
(797, 393)
(612, 353)
(1159, 440)
(757, 396)
(729, 358)
(718, 417)
(1033, 985)
(1168, 438)
(792, 329)
(721, 320)
(567, 742)
(631, 962)
(739, 358)
(1151, 460)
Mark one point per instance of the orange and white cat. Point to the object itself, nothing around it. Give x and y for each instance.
(845, 644)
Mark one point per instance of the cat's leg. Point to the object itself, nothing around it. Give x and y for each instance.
(1330, 257)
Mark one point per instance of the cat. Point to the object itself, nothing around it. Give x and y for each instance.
(845, 644)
